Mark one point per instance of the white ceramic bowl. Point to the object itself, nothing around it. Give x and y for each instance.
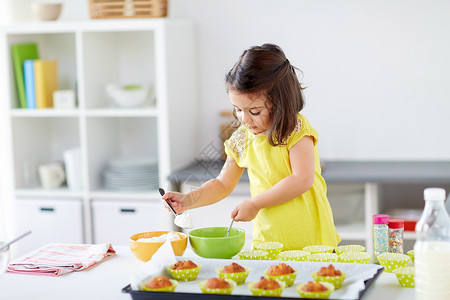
(4, 259)
(46, 11)
(129, 95)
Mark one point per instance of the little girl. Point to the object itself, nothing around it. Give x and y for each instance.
(278, 147)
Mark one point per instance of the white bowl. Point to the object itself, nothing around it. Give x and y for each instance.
(46, 11)
(128, 95)
(4, 259)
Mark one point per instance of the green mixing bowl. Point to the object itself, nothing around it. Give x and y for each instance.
(210, 242)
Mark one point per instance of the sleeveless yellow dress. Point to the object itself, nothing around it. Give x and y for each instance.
(303, 221)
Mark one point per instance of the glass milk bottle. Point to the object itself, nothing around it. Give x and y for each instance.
(432, 248)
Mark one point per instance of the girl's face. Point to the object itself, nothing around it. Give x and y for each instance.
(251, 111)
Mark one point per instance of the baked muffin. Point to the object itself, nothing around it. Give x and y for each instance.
(311, 289)
(268, 287)
(282, 272)
(184, 270)
(235, 272)
(160, 284)
(217, 286)
(331, 275)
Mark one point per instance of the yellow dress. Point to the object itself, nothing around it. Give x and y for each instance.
(303, 221)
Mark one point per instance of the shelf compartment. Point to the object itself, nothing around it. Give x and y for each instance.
(107, 59)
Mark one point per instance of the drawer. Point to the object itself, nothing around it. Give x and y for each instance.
(50, 221)
(114, 221)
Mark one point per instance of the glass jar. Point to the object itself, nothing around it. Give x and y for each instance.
(380, 235)
(396, 229)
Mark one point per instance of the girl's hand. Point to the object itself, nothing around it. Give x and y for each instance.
(176, 200)
(245, 211)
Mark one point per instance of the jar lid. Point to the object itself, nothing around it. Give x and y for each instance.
(380, 219)
(396, 223)
(434, 194)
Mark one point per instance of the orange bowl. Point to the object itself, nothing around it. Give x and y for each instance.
(145, 250)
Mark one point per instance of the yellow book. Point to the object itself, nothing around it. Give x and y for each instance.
(45, 81)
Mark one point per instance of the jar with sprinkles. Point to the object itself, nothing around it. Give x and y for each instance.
(380, 235)
(396, 228)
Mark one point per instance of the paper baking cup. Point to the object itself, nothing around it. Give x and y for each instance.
(253, 254)
(238, 277)
(319, 249)
(405, 276)
(392, 261)
(294, 255)
(165, 289)
(355, 257)
(323, 257)
(336, 281)
(349, 248)
(272, 249)
(411, 254)
(217, 291)
(316, 295)
(186, 274)
(287, 278)
(266, 293)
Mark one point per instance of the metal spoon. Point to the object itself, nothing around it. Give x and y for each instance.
(5, 246)
(229, 228)
(162, 192)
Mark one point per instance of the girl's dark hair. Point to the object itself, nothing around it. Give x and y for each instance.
(265, 70)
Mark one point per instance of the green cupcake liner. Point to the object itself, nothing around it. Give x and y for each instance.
(319, 249)
(294, 255)
(355, 257)
(253, 254)
(405, 276)
(287, 278)
(392, 261)
(217, 291)
(273, 249)
(238, 277)
(411, 254)
(266, 293)
(165, 289)
(349, 248)
(185, 275)
(316, 295)
(323, 257)
(336, 281)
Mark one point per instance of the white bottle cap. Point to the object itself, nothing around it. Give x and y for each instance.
(434, 194)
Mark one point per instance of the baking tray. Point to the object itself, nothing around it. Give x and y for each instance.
(189, 295)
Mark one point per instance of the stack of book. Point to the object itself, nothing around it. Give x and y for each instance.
(36, 79)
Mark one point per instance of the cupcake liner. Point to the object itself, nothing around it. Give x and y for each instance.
(288, 279)
(238, 277)
(349, 248)
(273, 249)
(165, 289)
(392, 261)
(294, 255)
(411, 254)
(266, 293)
(355, 257)
(323, 257)
(253, 254)
(405, 276)
(185, 275)
(319, 249)
(217, 291)
(336, 281)
(316, 295)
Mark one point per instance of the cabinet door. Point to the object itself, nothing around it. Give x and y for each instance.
(50, 221)
(115, 221)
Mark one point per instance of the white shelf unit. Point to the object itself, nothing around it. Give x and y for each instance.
(90, 54)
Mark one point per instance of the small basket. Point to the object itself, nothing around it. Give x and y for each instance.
(355, 257)
(319, 249)
(273, 249)
(405, 276)
(392, 261)
(295, 255)
(118, 9)
(323, 257)
(349, 248)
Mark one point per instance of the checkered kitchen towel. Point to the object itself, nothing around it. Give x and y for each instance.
(60, 259)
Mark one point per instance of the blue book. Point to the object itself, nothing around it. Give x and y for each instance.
(28, 72)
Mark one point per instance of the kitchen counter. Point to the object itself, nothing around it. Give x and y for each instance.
(106, 280)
